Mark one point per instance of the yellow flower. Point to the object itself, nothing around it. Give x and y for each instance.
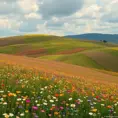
(67, 104)
(93, 94)
(18, 92)
(56, 113)
(14, 94)
(6, 115)
(25, 97)
(26, 111)
(94, 110)
(4, 96)
(23, 86)
(73, 88)
(17, 103)
(61, 94)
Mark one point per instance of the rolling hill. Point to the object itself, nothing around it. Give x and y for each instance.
(77, 52)
(58, 68)
(97, 37)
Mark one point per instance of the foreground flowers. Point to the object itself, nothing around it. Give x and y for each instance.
(25, 93)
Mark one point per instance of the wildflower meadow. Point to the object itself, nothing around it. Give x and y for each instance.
(26, 93)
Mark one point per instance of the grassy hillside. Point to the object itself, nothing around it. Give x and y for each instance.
(76, 59)
(61, 49)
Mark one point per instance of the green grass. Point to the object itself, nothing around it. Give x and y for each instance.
(13, 49)
(52, 57)
(76, 59)
(112, 51)
(53, 44)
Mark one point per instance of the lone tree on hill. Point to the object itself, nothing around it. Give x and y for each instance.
(104, 41)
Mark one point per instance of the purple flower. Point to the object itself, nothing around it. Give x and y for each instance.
(20, 106)
(111, 111)
(35, 116)
(89, 100)
(39, 97)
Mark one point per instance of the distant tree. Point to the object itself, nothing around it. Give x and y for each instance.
(104, 41)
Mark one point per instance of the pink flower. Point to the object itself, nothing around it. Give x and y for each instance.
(35, 108)
(43, 111)
(78, 102)
(28, 101)
(61, 108)
(50, 115)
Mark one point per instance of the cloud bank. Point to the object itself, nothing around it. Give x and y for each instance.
(58, 17)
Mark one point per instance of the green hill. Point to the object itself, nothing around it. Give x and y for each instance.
(78, 52)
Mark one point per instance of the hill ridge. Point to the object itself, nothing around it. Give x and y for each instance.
(96, 36)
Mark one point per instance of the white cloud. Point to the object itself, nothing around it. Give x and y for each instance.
(110, 12)
(43, 29)
(28, 6)
(9, 24)
(55, 19)
(33, 15)
(88, 28)
(114, 2)
(58, 17)
(4, 23)
(92, 11)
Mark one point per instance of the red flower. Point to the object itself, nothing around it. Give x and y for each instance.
(97, 97)
(56, 95)
(2, 85)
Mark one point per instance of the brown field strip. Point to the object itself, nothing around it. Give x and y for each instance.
(71, 51)
(58, 68)
(11, 41)
(43, 52)
(33, 52)
(106, 60)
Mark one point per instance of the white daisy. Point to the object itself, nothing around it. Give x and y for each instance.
(72, 105)
(45, 103)
(90, 113)
(51, 101)
(70, 99)
(22, 114)
(11, 114)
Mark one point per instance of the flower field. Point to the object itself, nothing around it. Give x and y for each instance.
(28, 94)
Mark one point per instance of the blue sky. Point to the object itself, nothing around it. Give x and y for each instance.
(58, 17)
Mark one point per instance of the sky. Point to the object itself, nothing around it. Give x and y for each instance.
(58, 17)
